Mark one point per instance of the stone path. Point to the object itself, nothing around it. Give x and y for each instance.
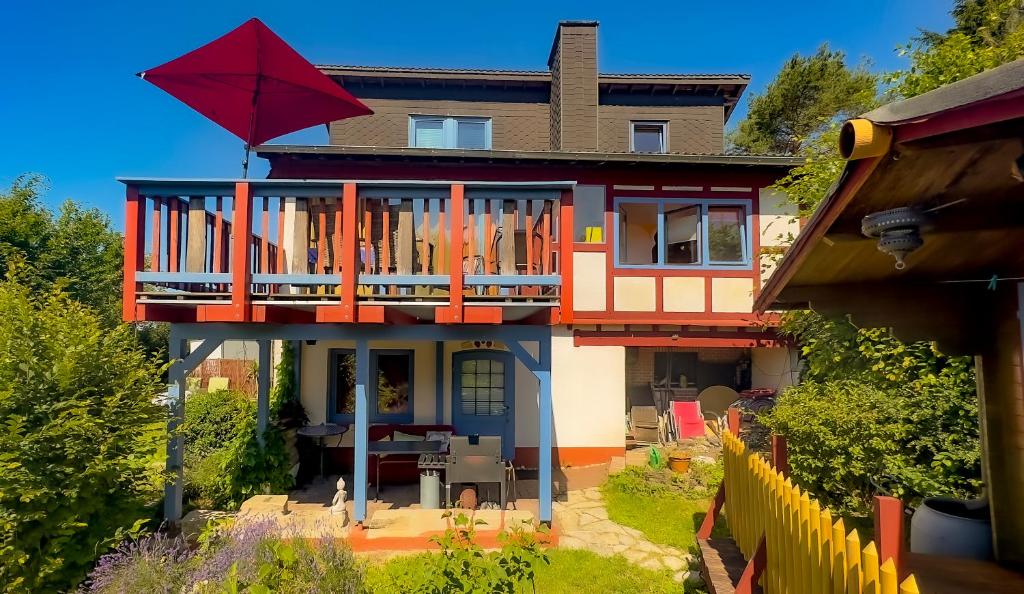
(583, 524)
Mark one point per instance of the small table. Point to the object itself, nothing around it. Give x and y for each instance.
(319, 432)
(380, 448)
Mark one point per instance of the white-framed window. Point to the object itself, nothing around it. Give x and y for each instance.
(427, 131)
(682, 233)
(648, 137)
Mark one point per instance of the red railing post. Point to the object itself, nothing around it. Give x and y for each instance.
(780, 454)
(454, 315)
(349, 257)
(565, 239)
(707, 526)
(134, 249)
(734, 421)
(241, 256)
(889, 530)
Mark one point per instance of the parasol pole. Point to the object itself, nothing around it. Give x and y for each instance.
(252, 112)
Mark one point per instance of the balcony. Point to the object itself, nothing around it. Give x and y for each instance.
(303, 251)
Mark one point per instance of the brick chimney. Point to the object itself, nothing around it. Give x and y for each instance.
(573, 64)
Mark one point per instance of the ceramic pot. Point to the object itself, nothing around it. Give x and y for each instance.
(952, 527)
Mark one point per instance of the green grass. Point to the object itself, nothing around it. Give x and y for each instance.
(570, 572)
(666, 507)
(664, 519)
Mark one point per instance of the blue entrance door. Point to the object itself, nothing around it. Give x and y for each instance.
(483, 398)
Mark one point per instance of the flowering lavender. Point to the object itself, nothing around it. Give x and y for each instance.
(165, 565)
(242, 544)
(152, 564)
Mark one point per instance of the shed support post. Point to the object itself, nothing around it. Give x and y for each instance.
(362, 428)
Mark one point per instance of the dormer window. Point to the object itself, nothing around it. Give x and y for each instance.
(427, 131)
(648, 137)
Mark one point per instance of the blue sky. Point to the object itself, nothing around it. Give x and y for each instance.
(73, 111)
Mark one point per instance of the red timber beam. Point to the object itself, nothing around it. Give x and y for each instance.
(134, 250)
(240, 309)
(346, 310)
(452, 313)
(687, 339)
(565, 242)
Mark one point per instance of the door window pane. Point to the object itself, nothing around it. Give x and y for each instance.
(648, 137)
(394, 380)
(428, 133)
(345, 383)
(484, 392)
(470, 135)
(638, 233)
(725, 234)
(588, 214)
(682, 234)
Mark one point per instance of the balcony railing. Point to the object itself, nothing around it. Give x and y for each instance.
(231, 249)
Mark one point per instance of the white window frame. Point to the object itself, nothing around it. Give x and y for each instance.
(663, 124)
(449, 130)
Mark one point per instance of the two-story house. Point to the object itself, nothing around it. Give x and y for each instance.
(524, 254)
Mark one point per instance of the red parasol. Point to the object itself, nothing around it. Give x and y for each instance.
(255, 86)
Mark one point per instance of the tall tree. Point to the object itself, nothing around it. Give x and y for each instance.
(806, 97)
(985, 34)
(78, 250)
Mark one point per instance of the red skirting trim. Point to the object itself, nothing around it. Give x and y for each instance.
(527, 457)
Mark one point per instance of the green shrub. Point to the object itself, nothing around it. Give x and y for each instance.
(872, 409)
(224, 461)
(463, 566)
(79, 439)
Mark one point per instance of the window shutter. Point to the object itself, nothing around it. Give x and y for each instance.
(471, 135)
(428, 133)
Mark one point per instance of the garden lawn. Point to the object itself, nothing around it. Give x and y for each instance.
(570, 572)
(664, 519)
(668, 508)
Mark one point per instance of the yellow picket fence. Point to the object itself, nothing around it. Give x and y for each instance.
(807, 553)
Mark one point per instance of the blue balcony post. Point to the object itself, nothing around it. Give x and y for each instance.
(174, 486)
(263, 390)
(546, 419)
(362, 428)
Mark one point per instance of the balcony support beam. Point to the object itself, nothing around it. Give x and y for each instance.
(134, 249)
(565, 241)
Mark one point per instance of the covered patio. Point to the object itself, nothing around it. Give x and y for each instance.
(922, 234)
(529, 346)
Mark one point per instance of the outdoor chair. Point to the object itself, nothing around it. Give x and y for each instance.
(644, 425)
(475, 459)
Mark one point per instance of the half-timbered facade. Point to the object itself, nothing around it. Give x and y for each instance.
(516, 253)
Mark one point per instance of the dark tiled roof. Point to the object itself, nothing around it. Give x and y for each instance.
(785, 161)
(513, 72)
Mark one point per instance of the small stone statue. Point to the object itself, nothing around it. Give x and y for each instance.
(338, 504)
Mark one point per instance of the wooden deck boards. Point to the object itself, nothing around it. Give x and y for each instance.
(722, 565)
(944, 575)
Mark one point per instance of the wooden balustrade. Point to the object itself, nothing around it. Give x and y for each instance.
(333, 245)
(795, 543)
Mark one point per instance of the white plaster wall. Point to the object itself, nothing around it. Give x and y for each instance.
(588, 389)
(589, 393)
(589, 281)
(683, 293)
(776, 368)
(634, 293)
(778, 218)
(732, 295)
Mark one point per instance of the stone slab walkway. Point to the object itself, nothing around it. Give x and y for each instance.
(583, 524)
